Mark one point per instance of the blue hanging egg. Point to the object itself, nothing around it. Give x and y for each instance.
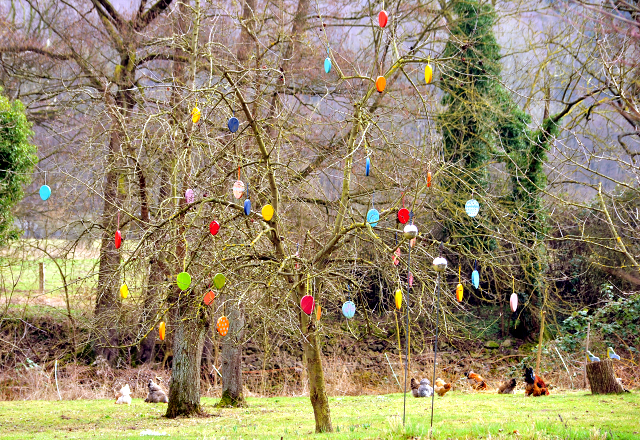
(472, 207)
(327, 65)
(247, 207)
(348, 309)
(45, 192)
(475, 279)
(233, 124)
(373, 217)
(367, 167)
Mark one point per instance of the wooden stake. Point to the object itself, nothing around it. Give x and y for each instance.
(41, 277)
(540, 342)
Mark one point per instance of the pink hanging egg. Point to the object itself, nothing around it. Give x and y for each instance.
(214, 227)
(118, 239)
(396, 256)
(306, 304)
(190, 196)
(238, 189)
(383, 18)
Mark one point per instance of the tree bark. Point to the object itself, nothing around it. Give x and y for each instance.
(602, 378)
(317, 387)
(231, 369)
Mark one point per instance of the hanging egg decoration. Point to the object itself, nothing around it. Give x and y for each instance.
(459, 292)
(472, 207)
(403, 215)
(45, 192)
(367, 167)
(513, 302)
(428, 179)
(118, 239)
(219, 280)
(439, 264)
(195, 114)
(383, 18)
(214, 227)
(222, 326)
(209, 297)
(318, 313)
(428, 73)
(161, 330)
(183, 280)
(189, 196)
(267, 212)
(396, 256)
(306, 304)
(348, 309)
(381, 84)
(124, 291)
(247, 207)
(233, 124)
(410, 279)
(373, 217)
(410, 231)
(238, 189)
(475, 278)
(398, 299)
(327, 65)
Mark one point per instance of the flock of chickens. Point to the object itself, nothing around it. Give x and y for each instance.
(156, 394)
(534, 385)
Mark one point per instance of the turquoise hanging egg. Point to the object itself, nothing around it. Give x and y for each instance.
(472, 207)
(327, 65)
(45, 192)
(367, 168)
(475, 279)
(373, 217)
(233, 124)
(348, 309)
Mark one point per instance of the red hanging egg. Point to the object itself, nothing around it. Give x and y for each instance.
(209, 297)
(383, 18)
(403, 216)
(214, 227)
(118, 239)
(306, 304)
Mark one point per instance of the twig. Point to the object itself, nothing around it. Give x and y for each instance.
(565, 367)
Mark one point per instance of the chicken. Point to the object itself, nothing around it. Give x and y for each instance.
(422, 389)
(476, 381)
(156, 394)
(441, 387)
(507, 387)
(124, 395)
(534, 384)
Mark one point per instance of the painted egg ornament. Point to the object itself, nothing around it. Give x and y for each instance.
(247, 207)
(398, 299)
(367, 167)
(306, 304)
(383, 18)
(318, 313)
(373, 217)
(45, 192)
(410, 279)
(475, 279)
(381, 84)
(214, 227)
(124, 291)
(238, 189)
(439, 264)
(118, 239)
(195, 115)
(233, 124)
(403, 215)
(459, 292)
(472, 207)
(267, 212)
(428, 179)
(513, 302)
(183, 280)
(412, 242)
(428, 73)
(327, 65)
(209, 297)
(189, 196)
(219, 280)
(410, 231)
(396, 256)
(161, 330)
(222, 326)
(348, 309)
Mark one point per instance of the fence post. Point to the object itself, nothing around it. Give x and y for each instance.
(41, 277)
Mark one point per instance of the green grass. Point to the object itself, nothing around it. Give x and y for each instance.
(457, 415)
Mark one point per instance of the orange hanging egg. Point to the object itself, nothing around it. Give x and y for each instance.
(429, 179)
(222, 326)
(209, 297)
(459, 292)
(381, 84)
(161, 330)
(318, 313)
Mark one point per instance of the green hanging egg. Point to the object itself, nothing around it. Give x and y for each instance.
(184, 280)
(219, 280)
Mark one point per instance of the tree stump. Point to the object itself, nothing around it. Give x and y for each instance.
(602, 378)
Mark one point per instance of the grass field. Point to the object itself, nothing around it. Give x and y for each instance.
(457, 416)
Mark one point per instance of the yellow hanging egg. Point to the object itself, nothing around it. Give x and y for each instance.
(459, 292)
(124, 291)
(195, 115)
(428, 73)
(161, 330)
(398, 299)
(267, 212)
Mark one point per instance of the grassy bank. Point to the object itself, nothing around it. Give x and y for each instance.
(457, 415)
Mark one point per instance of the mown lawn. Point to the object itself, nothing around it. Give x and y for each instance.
(457, 415)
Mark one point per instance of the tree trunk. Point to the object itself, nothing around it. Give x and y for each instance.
(232, 360)
(602, 378)
(184, 393)
(152, 298)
